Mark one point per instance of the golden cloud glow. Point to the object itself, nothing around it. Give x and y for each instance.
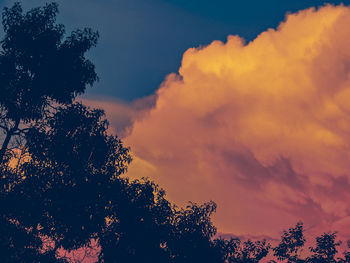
(262, 128)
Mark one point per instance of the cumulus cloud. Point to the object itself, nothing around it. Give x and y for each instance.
(262, 128)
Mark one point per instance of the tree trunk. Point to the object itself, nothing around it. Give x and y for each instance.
(7, 140)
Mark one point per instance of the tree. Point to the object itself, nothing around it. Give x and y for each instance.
(39, 68)
(16, 245)
(192, 232)
(73, 163)
(236, 251)
(139, 225)
(325, 250)
(292, 242)
(61, 170)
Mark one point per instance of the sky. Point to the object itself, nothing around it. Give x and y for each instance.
(143, 41)
(262, 127)
(240, 102)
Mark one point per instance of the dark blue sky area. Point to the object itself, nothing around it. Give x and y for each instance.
(143, 40)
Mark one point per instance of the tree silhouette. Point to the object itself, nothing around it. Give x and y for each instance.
(16, 245)
(39, 68)
(325, 250)
(61, 177)
(73, 162)
(51, 149)
(139, 226)
(61, 171)
(236, 251)
(192, 233)
(292, 242)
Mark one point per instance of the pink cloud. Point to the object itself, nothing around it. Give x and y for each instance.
(261, 128)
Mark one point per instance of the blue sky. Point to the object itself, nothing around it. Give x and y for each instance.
(142, 41)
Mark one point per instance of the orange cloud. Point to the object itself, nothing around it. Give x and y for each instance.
(262, 128)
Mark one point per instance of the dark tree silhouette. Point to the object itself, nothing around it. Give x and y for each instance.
(73, 162)
(147, 228)
(16, 245)
(292, 242)
(325, 250)
(39, 68)
(236, 251)
(138, 227)
(192, 233)
(61, 176)
(61, 172)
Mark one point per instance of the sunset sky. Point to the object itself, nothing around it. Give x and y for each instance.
(246, 103)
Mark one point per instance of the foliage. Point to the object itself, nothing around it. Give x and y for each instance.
(236, 251)
(39, 68)
(61, 172)
(62, 183)
(325, 249)
(292, 242)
